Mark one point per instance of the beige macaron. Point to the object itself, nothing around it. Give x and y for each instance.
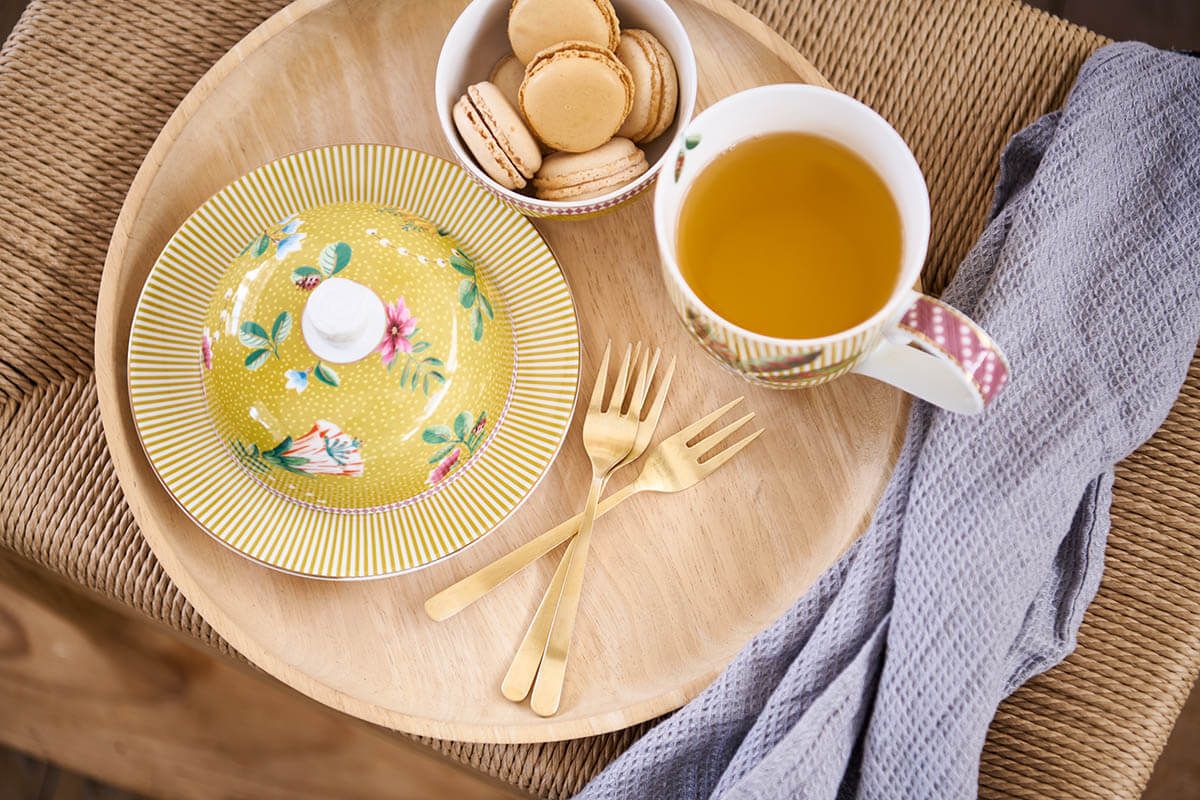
(507, 76)
(534, 25)
(655, 85)
(495, 134)
(576, 95)
(579, 176)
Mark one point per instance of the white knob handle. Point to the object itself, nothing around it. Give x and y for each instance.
(343, 321)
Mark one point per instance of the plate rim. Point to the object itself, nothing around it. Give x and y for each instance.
(556, 451)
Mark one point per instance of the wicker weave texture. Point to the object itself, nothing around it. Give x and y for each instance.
(85, 86)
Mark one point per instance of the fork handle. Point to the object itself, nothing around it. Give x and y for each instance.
(523, 669)
(547, 689)
(456, 597)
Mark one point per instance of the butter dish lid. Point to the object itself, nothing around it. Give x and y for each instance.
(355, 357)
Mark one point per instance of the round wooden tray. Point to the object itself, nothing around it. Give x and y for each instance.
(675, 584)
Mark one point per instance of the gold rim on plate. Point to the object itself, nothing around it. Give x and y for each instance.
(195, 464)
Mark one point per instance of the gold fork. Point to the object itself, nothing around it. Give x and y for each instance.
(671, 467)
(456, 597)
(547, 689)
(608, 439)
(524, 667)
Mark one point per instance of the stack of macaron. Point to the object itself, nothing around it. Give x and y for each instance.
(563, 115)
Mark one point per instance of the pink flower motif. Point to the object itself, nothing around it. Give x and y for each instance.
(206, 349)
(400, 326)
(324, 450)
(438, 473)
(479, 423)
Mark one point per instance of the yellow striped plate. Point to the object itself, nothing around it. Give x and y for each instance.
(198, 469)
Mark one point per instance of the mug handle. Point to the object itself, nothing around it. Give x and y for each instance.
(934, 352)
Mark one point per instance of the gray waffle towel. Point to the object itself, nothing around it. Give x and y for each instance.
(989, 541)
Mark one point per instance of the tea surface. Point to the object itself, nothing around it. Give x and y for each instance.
(790, 235)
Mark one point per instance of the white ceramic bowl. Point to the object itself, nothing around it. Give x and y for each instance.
(479, 38)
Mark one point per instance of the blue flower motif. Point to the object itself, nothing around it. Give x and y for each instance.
(296, 379)
(290, 224)
(289, 244)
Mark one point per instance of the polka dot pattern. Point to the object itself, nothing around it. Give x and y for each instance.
(947, 331)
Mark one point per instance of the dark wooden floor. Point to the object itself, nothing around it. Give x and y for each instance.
(1166, 23)
(25, 778)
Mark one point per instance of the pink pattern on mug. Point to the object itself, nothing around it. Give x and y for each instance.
(951, 333)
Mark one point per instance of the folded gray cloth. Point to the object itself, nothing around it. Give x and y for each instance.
(989, 541)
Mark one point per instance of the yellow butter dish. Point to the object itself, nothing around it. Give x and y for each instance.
(353, 362)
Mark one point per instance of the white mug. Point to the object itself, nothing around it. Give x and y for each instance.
(914, 342)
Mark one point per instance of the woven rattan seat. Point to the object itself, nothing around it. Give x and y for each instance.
(85, 86)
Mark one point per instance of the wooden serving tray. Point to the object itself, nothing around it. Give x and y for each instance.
(675, 584)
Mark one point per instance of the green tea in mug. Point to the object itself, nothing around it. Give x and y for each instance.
(790, 235)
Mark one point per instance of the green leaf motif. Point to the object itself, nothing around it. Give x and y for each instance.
(275, 456)
(437, 434)
(261, 245)
(281, 328)
(416, 376)
(460, 261)
(300, 273)
(243, 252)
(487, 306)
(425, 385)
(420, 347)
(476, 324)
(437, 376)
(691, 140)
(440, 454)
(433, 362)
(404, 374)
(293, 464)
(462, 425)
(256, 358)
(326, 375)
(252, 334)
(467, 290)
(334, 258)
(250, 457)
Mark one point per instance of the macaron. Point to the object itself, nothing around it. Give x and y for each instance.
(576, 95)
(578, 176)
(534, 25)
(655, 85)
(507, 76)
(495, 134)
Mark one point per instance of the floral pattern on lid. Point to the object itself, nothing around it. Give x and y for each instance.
(443, 344)
(324, 450)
